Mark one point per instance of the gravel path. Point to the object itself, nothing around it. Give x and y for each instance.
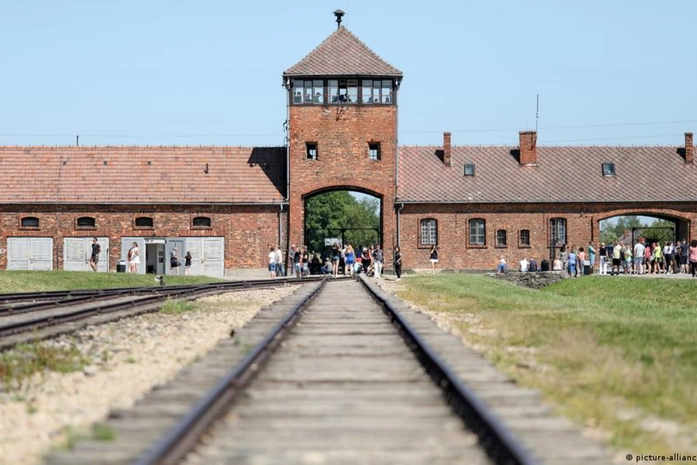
(128, 358)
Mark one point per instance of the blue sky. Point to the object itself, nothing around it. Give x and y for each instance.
(209, 72)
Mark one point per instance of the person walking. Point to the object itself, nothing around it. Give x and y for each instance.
(336, 258)
(603, 254)
(692, 255)
(397, 262)
(133, 258)
(379, 259)
(174, 262)
(187, 263)
(434, 258)
(280, 269)
(96, 250)
(272, 262)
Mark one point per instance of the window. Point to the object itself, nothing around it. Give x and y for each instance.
(86, 222)
(429, 232)
(374, 150)
(308, 92)
(144, 222)
(469, 169)
(29, 222)
(343, 90)
(501, 238)
(477, 232)
(311, 148)
(524, 238)
(608, 169)
(201, 222)
(557, 228)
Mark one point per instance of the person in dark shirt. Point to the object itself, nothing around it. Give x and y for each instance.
(96, 250)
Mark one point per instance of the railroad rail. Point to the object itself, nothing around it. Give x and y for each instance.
(338, 375)
(63, 311)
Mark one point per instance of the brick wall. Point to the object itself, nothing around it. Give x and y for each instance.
(247, 230)
(582, 226)
(342, 135)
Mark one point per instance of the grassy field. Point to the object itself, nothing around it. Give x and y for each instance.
(32, 281)
(617, 355)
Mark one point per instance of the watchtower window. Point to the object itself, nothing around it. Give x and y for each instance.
(376, 91)
(311, 148)
(343, 90)
(308, 92)
(374, 150)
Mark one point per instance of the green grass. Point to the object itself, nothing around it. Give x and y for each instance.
(33, 281)
(609, 351)
(178, 306)
(19, 364)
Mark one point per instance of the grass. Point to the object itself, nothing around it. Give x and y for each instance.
(21, 363)
(613, 353)
(34, 281)
(178, 306)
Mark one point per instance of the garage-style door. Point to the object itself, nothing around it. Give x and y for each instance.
(208, 255)
(29, 253)
(78, 250)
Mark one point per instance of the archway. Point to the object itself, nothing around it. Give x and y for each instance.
(628, 227)
(342, 216)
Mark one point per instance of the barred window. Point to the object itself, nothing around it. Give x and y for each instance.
(524, 238)
(477, 232)
(501, 238)
(429, 232)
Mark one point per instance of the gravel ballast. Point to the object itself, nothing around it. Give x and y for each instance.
(126, 359)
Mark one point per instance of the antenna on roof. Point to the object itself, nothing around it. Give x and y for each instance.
(537, 112)
(77, 140)
(338, 14)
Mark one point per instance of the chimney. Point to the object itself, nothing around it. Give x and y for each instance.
(528, 147)
(446, 150)
(689, 148)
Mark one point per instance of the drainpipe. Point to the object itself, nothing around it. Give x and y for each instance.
(280, 225)
(399, 210)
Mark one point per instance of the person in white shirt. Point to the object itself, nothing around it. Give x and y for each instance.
(639, 250)
(524, 264)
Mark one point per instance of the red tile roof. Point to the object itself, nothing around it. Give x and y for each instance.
(142, 174)
(562, 174)
(342, 54)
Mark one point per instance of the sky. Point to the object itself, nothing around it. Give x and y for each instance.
(209, 72)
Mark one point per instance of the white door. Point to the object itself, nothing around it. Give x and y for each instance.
(208, 255)
(29, 253)
(78, 250)
(126, 244)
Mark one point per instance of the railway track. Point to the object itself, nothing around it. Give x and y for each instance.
(33, 316)
(338, 375)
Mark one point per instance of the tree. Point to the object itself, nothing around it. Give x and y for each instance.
(339, 215)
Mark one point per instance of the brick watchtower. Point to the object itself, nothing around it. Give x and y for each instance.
(342, 127)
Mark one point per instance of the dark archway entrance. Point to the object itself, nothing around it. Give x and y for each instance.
(344, 217)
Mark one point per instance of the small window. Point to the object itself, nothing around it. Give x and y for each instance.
(501, 238)
(477, 232)
(608, 169)
(469, 169)
(201, 222)
(429, 232)
(374, 150)
(524, 238)
(29, 222)
(144, 222)
(311, 148)
(86, 222)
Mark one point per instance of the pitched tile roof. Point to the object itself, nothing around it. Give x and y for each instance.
(142, 174)
(342, 54)
(562, 174)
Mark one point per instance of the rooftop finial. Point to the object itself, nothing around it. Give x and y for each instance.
(338, 14)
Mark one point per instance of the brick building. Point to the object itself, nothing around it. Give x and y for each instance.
(228, 204)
